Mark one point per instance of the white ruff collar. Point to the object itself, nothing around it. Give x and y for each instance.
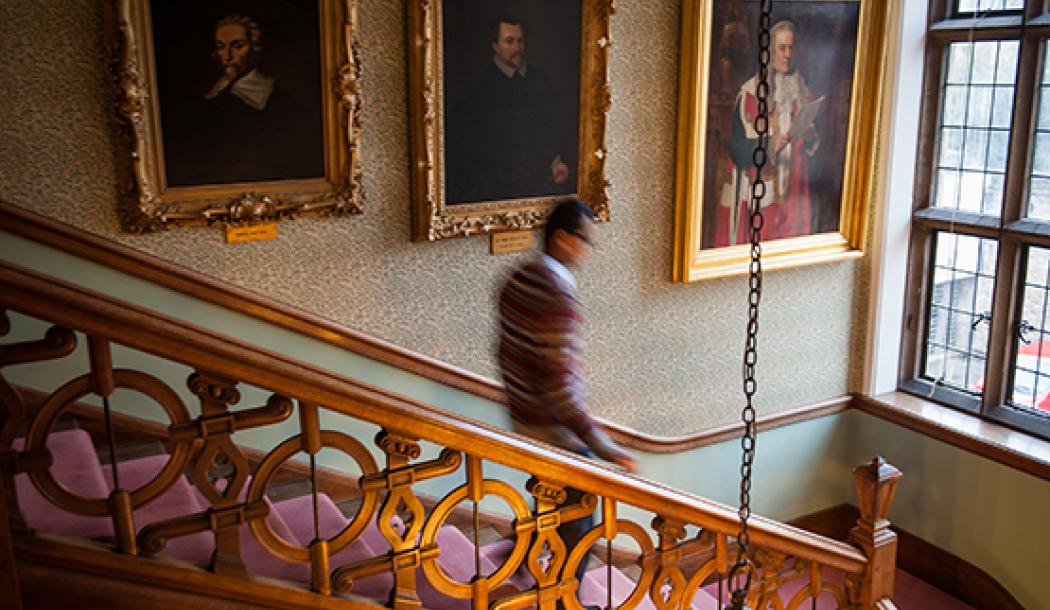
(254, 88)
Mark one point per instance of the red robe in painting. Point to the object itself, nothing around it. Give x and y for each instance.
(787, 205)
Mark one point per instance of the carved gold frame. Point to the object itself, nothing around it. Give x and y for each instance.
(691, 261)
(148, 204)
(432, 219)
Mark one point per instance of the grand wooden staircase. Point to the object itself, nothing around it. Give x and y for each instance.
(441, 511)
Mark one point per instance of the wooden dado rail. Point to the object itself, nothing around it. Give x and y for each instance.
(781, 553)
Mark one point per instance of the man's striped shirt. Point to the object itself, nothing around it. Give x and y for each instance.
(540, 346)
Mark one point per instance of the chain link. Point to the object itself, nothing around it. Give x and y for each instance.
(759, 159)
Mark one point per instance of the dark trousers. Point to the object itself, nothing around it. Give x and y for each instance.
(572, 532)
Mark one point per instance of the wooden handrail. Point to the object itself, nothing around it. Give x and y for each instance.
(208, 351)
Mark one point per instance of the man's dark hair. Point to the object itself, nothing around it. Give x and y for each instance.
(569, 216)
(509, 20)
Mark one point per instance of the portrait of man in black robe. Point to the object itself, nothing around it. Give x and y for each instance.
(510, 128)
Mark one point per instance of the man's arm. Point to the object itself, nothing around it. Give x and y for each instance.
(561, 382)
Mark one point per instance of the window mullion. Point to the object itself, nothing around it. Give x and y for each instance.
(932, 95)
(921, 241)
(1004, 319)
(916, 302)
(1006, 292)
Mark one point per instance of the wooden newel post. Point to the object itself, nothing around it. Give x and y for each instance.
(876, 483)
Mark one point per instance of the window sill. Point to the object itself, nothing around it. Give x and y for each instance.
(987, 439)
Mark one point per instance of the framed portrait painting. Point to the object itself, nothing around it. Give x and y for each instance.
(825, 74)
(237, 112)
(508, 109)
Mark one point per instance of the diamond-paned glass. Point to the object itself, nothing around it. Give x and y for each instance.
(974, 131)
(988, 6)
(1031, 374)
(1039, 180)
(956, 346)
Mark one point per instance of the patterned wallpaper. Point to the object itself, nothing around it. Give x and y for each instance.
(662, 357)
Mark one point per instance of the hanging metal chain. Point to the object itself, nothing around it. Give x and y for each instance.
(743, 566)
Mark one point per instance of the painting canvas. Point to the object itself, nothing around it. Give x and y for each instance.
(511, 99)
(824, 94)
(239, 90)
(811, 78)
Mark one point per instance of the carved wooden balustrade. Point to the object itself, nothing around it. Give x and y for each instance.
(687, 545)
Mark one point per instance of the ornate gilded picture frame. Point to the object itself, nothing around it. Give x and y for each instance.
(235, 113)
(826, 66)
(508, 107)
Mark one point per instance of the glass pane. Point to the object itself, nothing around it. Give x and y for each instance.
(958, 64)
(1038, 204)
(967, 251)
(954, 105)
(944, 254)
(1006, 66)
(998, 142)
(985, 56)
(975, 150)
(1046, 71)
(1002, 107)
(978, 96)
(951, 147)
(975, 374)
(988, 6)
(993, 194)
(979, 109)
(1043, 111)
(1031, 373)
(940, 319)
(971, 192)
(1039, 198)
(987, 260)
(947, 195)
(941, 287)
(1038, 267)
(960, 302)
(1041, 154)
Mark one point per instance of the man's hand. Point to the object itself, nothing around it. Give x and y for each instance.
(625, 461)
(559, 172)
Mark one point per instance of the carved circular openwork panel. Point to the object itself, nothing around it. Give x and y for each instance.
(628, 528)
(268, 469)
(69, 394)
(436, 575)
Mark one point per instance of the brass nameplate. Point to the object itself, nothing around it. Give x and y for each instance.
(239, 235)
(515, 241)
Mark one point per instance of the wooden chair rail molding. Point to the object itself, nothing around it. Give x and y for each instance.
(782, 553)
(29, 225)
